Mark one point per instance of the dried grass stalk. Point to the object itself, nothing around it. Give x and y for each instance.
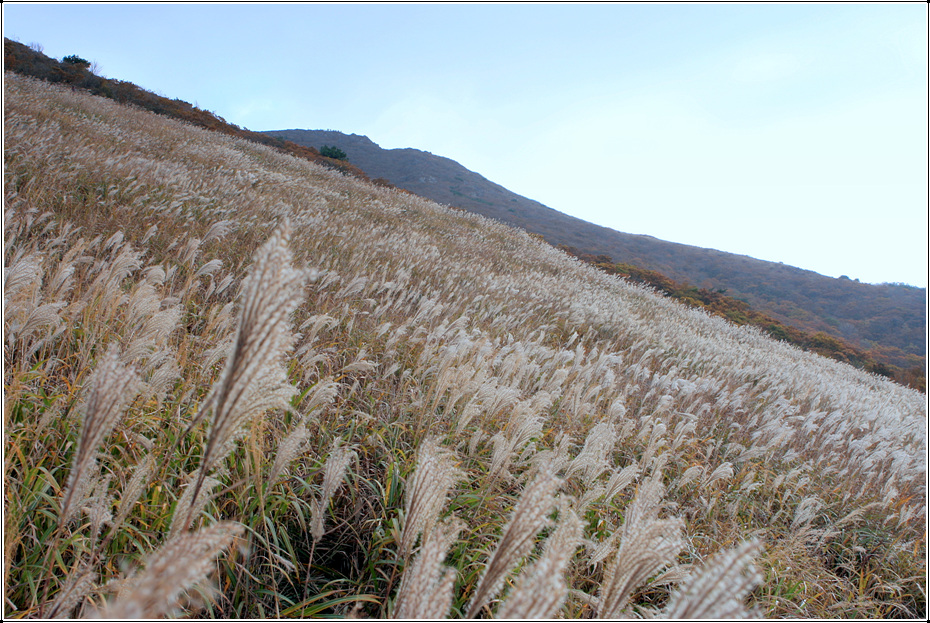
(433, 478)
(593, 458)
(178, 565)
(288, 450)
(136, 486)
(541, 590)
(426, 588)
(647, 544)
(620, 480)
(112, 388)
(718, 589)
(333, 472)
(191, 502)
(254, 379)
(528, 518)
(79, 584)
(724, 471)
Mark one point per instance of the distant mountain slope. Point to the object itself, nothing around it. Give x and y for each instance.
(888, 319)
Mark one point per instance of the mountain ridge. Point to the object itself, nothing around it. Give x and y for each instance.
(888, 317)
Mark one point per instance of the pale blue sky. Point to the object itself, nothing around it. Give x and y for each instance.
(793, 132)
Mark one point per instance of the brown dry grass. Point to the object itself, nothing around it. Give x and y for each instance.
(416, 323)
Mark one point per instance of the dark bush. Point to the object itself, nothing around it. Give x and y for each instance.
(74, 59)
(333, 152)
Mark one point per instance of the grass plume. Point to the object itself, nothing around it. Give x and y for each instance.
(111, 389)
(528, 518)
(485, 382)
(426, 587)
(253, 380)
(178, 565)
(427, 491)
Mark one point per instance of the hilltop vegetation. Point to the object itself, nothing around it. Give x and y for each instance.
(78, 74)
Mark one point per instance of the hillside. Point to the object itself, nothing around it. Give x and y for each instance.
(240, 384)
(739, 312)
(881, 314)
(889, 320)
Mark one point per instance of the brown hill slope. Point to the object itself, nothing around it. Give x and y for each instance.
(888, 319)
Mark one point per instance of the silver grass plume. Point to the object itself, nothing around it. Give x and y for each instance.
(25, 273)
(112, 388)
(500, 456)
(524, 424)
(333, 472)
(620, 480)
(541, 590)
(556, 458)
(189, 506)
(593, 458)
(528, 518)
(97, 506)
(724, 471)
(426, 587)
(717, 590)
(131, 492)
(647, 544)
(600, 551)
(591, 494)
(806, 512)
(181, 563)
(690, 475)
(322, 395)
(79, 583)
(217, 231)
(432, 479)
(288, 450)
(254, 379)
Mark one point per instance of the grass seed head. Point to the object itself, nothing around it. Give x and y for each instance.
(112, 388)
(541, 589)
(528, 518)
(333, 472)
(718, 588)
(427, 491)
(178, 565)
(426, 587)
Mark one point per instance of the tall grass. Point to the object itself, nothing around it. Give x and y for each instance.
(240, 385)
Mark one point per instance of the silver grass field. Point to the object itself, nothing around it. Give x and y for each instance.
(240, 385)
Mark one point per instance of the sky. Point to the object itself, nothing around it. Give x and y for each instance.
(794, 133)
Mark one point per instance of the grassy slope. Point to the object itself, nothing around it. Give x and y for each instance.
(132, 232)
(895, 313)
(739, 312)
(888, 320)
